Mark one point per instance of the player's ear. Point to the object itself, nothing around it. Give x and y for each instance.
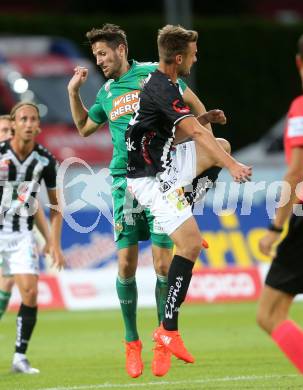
(178, 59)
(13, 125)
(122, 50)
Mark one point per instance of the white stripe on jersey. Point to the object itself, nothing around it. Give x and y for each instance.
(18, 192)
(166, 149)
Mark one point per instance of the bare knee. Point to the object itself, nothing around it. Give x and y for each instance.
(273, 308)
(192, 250)
(162, 267)
(127, 263)
(269, 317)
(225, 144)
(127, 268)
(264, 321)
(29, 296)
(162, 258)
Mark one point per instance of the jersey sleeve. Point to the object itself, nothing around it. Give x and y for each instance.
(96, 113)
(295, 130)
(182, 85)
(50, 173)
(171, 104)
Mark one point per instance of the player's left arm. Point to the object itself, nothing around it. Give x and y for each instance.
(56, 229)
(292, 178)
(50, 179)
(204, 117)
(42, 225)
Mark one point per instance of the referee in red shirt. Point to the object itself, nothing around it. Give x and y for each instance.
(285, 277)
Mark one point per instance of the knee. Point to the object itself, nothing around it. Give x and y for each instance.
(225, 144)
(29, 296)
(196, 248)
(264, 321)
(192, 250)
(161, 268)
(162, 261)
(127, 267)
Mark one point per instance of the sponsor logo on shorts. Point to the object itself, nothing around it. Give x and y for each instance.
(118, 227)
(178, 199)
(165, 186)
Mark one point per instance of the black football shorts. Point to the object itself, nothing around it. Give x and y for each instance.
(286, 271)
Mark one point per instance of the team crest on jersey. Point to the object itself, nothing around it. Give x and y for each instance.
(107, 85)
(124, 104)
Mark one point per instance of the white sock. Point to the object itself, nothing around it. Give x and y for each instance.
(18, 357)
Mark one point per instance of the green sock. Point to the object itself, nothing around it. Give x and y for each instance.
(161, 296)
(128, 297)
(4, 299)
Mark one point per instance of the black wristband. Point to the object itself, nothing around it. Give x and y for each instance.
(274, 228)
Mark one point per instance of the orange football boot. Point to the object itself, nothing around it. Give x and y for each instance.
(161, 360)
(134, 364)
(171, 339)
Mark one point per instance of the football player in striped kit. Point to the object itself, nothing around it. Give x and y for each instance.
(23, 165)
(41, 229)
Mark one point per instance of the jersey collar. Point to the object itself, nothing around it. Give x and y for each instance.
(131, 66)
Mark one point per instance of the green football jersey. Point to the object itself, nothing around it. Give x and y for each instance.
(116, 101)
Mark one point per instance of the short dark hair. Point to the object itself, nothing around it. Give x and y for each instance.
(22, 104)
(112, 34)
(174, 40)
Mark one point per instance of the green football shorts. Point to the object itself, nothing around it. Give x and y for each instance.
(132, 224)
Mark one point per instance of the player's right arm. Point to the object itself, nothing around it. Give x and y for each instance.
(292, 179)
(84, 124)
(203, 137)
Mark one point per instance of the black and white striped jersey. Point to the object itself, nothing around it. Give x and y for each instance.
(20, 183)
(151, 131)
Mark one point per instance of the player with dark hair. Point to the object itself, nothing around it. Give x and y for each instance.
(24, 164)
(115, 103)
(285, 277)
(157, 170)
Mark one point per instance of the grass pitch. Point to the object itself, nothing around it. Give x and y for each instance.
(84, 351)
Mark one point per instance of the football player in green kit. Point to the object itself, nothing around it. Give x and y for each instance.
(115, 103)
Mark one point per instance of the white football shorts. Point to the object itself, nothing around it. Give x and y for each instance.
(164, 195)
(19, 253)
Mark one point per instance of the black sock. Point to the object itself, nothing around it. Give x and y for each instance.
(26, 320)
(201, 184)
(179, 276)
